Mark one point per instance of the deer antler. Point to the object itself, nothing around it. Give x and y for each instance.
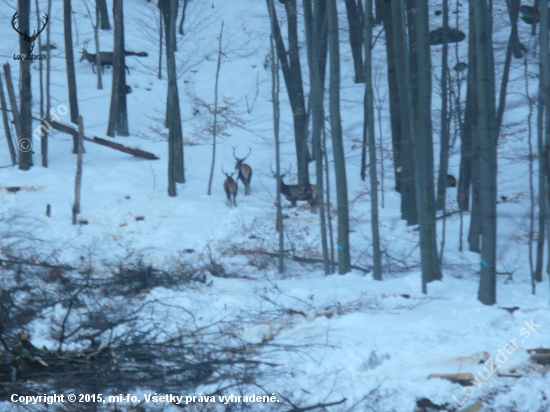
(244, 158)
(275, 174)
(227, 174)
(249, 151)
(34, 36)
(15, 17)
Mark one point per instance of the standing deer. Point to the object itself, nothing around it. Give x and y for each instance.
(105, 57)
(231, 189)
(293, 193)
(245, 171)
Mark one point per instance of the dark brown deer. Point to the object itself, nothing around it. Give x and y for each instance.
(106, 59)
(293, 193)
(245, 171)
(231, 189)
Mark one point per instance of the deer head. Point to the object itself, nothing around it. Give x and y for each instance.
(29, 40)
(240, 162)
(84, 51)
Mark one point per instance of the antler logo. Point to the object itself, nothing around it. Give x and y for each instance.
(29, 40)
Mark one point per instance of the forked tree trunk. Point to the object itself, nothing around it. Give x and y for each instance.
(292, 74)
(101, 5)
(356, 39)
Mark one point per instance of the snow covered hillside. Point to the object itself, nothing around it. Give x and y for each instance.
(349, 342)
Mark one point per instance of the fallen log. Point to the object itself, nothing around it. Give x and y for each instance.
(304, 259)
(463, 379)
(66, 128)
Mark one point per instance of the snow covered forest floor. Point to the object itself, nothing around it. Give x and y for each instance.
(145, 267)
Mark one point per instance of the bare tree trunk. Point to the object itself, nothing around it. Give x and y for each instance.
(215, 130)
(25, 111)
(395, 113)
(292, 74)
(308, 29)
(118, 115)
(328, 204)
(444, 149)
(69, 59)
(472, 136)
(542, 188)
(183, 16)
(544, 105)
(379, 12)
(44, 141)
(97, 48)
(423, 151)
(344, 262)
(170, 10)
(317, 115)
(11, 148)
(488, 151)
(531, 185)
(356, 39)
(276, 120)
(515, 47)
(101, 5)
(173, 115)
(369, 119)
(78, 178)
(160, 45)
(40, 63)
(406, 117)
(470, 123)
(13, 103)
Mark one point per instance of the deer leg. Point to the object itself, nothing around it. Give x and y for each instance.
(93, 68)
(127, 69)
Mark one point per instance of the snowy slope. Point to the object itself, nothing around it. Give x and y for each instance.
(365, 336)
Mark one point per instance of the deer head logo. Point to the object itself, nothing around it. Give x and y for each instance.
(29, 40)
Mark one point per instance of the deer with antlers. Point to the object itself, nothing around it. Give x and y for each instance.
(293, 193)
(231, 189)
(29, 40)
(245, 171)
